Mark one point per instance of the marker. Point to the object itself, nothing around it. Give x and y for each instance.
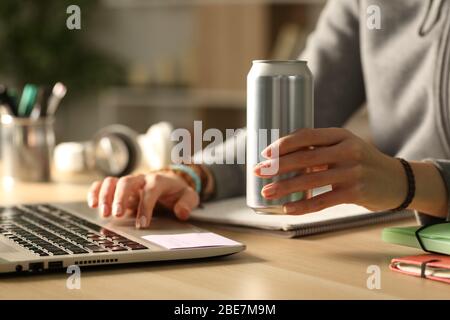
(12, 94)
(6, 100)
(27, 100)
(58, 92)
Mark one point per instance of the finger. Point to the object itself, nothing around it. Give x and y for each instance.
(319, 202)
(308, 181)
(154, 186)
(133, 205)
(188, 200)
(93, 194)
(319, 168)
(300, 160)
(106, 196)
(126, 186)
(304, 138)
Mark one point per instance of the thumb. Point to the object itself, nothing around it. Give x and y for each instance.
(188, 200)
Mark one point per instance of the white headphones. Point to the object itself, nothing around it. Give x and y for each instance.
(116, 151)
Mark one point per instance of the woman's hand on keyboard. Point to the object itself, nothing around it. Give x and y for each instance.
(138, 194)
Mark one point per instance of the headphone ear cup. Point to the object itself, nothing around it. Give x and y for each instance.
(157, 145)
(129, 138)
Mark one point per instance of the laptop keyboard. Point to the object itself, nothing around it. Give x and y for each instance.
(45, 230)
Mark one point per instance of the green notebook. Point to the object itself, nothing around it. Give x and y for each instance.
(435, 238)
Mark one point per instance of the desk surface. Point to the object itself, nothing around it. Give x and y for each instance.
(325, 266)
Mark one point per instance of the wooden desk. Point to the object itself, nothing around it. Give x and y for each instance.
(326, 266)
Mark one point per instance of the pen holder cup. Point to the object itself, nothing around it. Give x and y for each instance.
(26, 148)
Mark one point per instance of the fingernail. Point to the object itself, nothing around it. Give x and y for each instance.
(269, 190)
(288, 209)
(263, 168)
(90, 201)
(117, 209)
(266, 152)
(260, 165)
(184, 211)
(104, 209)
(141, 222)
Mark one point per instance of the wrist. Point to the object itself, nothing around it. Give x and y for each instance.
(397, 190)
(431, 192)
(410, 185)
(207, 181)
(181, 175)
(191, 176)
(198, 177)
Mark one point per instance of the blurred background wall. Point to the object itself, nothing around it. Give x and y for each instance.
(188, 60)
(138, 62)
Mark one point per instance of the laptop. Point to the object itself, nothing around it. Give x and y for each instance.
(41, 237)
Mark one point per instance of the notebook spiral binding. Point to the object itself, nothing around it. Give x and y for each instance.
(351, 222)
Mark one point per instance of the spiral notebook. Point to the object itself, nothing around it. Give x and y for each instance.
(236, 213)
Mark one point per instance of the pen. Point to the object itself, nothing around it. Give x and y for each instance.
(58, 92)
(40, 106)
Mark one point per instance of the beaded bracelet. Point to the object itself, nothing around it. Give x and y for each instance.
(411, 185)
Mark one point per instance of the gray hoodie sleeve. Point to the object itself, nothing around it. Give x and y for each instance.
(444, 169)
(333, 55)
(229, 178)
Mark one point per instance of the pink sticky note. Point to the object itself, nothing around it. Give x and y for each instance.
(190, 240)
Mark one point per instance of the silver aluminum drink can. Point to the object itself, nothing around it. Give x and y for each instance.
(279, 101)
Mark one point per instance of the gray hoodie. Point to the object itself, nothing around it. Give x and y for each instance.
(401, 71)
